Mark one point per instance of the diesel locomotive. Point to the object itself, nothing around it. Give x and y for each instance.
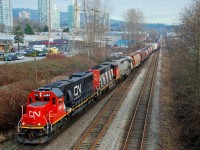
(49, 107)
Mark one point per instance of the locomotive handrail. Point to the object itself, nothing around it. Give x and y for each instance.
(22, 110)
(47, 124)
(19, 125)
(45, 119)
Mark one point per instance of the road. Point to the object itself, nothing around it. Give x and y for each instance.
(26, 59)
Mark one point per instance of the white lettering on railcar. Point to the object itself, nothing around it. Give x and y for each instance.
(77, 90)
(60, 107)
(33, 114)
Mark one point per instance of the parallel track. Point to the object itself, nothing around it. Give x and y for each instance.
(92, 136)
(134, 136)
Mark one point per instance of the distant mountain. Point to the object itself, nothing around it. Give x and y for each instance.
(157, 26)
(117, 25)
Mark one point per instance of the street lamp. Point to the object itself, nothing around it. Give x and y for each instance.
(35, 69)
(7, 36)
(18, 39)
(106, 39)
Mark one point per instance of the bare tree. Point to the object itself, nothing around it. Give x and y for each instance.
(94, 13)
(133, 20)
(96, 20)
(189, 34)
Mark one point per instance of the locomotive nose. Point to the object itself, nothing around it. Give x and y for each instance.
(35, 115)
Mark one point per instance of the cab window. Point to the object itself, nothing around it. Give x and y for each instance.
(46, 99)
(30, 100)
(37, 98)
(53, 101)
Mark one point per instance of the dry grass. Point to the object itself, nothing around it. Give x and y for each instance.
(170, 128)
(180, 120)
(17, 80)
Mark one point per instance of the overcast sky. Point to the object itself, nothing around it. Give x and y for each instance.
(155, 11)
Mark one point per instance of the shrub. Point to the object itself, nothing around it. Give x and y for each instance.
(17, 80)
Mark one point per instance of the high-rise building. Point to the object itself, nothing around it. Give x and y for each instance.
(6, 16)
(43, 11)
(73, 17)
(24, 15)
(48, 14)
(70, 16)
(55, 18)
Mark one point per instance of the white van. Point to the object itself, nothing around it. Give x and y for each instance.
(39, 48)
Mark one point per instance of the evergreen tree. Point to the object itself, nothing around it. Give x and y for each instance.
(28, 29)
(46, 29)
(19, 36)
(66, 29)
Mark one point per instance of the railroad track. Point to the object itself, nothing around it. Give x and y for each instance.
(26, 147)
(35, 147)
(137, 127)
(91, 138)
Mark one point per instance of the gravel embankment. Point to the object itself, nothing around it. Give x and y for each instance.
(152, 140)
(114, 134)
(113, 137)
(73, 132)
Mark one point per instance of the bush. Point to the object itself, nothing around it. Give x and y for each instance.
(17, 80)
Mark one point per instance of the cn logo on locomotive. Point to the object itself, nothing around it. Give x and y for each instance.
(77, 90)
(33, 114)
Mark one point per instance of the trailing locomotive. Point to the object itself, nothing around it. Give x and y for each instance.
(50, 106)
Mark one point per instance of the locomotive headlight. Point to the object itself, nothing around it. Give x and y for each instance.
(38, 124)
(23, 123)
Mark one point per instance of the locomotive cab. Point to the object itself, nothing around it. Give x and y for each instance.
(44, 107)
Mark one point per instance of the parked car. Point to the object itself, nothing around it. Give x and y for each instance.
(20, 56)
(10, 57)
(1, 54)
(29, 51)
(21, 51)
(42, 54)
(13, 49)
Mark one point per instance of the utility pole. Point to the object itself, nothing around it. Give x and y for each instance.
(106, 46)
(35, 70)
(18, 40)
(49, 22)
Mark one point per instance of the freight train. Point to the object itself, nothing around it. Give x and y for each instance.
(49, 107)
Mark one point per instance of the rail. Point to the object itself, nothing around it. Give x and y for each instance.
(94, 133)
(138, 126)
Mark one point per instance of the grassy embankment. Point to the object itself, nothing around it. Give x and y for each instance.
(181, 113)
(17, 80)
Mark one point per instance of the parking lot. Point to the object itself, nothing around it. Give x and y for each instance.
(26, 59)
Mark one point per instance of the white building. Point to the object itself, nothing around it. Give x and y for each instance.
(48, 14)
(74, 16)
(55, 18)
(6, 16)
(24, 15)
